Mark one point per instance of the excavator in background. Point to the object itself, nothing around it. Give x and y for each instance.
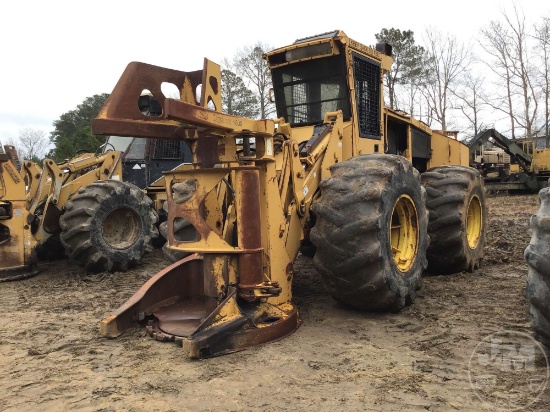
(363, 185)
(100, 209)
(518, 165)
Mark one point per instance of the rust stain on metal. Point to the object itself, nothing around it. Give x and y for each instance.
(249, 231)
(121, 114)
(122, 103)
(14, 266)
(181, 280)
(9, 253)
(207, 151)
(289, 271)
(134, 128)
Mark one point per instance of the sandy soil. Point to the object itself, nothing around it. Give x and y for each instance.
(53, 358)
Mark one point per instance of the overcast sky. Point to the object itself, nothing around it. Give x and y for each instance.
(56, 53)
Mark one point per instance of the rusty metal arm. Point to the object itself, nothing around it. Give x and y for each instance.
(121, 115)
(221, 122)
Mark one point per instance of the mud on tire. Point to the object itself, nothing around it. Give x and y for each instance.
(108, 226)
(358, 234)
(458, 218)
(537, 255)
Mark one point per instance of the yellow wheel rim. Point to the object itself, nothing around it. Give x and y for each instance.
(404, 233)
(474, 222)
(121, 228)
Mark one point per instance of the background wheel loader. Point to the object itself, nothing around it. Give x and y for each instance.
(102, 210)
(363, 186)
(81, 208)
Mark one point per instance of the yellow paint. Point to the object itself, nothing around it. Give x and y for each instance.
(541, 161)
(474, 222)
(404, 233)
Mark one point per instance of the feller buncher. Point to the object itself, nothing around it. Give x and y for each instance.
(101, 210)
(365, 185)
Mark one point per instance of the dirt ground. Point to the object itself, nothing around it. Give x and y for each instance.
(53, 358)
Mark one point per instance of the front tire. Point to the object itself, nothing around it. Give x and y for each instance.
(371, 232)
(108, 226)
(537, 255)
(458, 218)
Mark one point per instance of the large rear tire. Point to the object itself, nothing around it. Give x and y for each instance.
(458, 218)
(537, 255)
(371, 232)
(108, 226)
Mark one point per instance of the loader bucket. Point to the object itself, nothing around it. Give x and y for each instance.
(178, 304)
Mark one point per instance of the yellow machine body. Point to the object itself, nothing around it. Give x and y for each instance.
(249, 191)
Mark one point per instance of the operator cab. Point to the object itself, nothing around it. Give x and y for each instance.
(305, 91)
(330, 72)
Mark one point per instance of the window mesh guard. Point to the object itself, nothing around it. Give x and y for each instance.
(167, 149)
(307, 90)
(367, 87)
(299, 113)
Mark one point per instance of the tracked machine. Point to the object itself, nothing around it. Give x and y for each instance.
(360, 187)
